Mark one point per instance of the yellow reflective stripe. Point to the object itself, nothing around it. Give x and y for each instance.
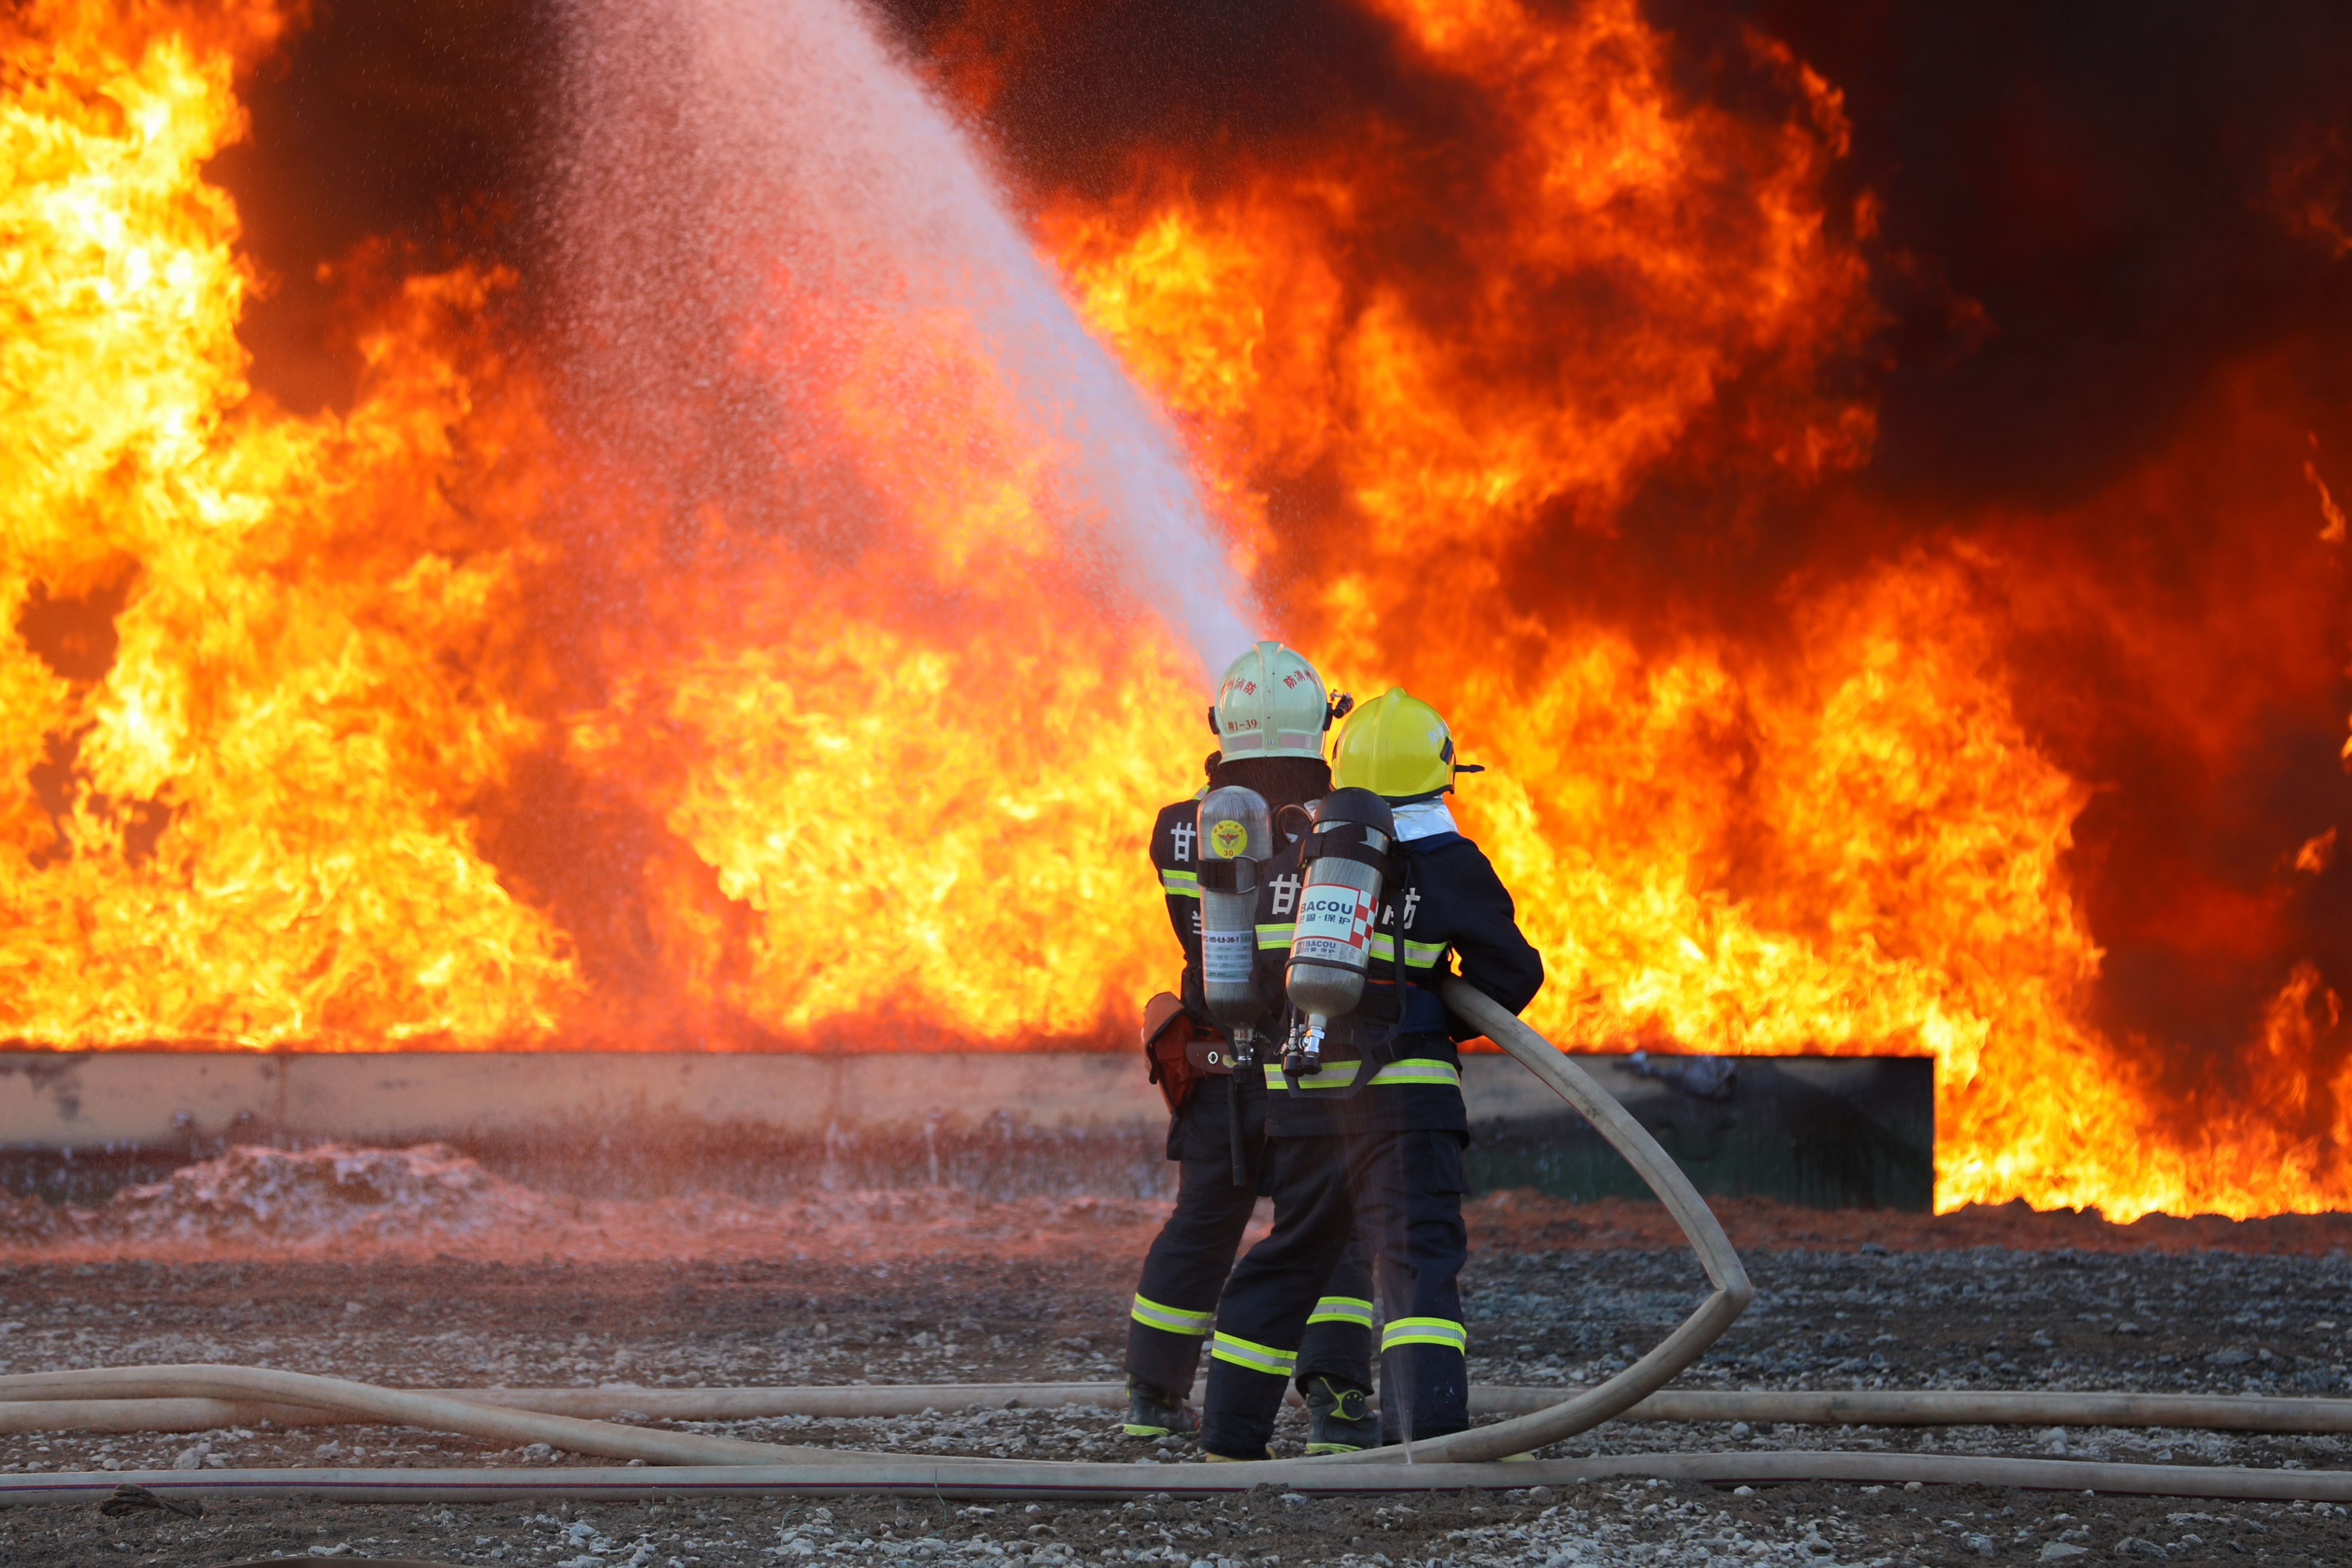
(1274, 935)
(1426, 1332)
(1419, 1070)
(1342, 1310)
(1253, 1356)
(1382, 946)
(1174, 1320)
(1337, 1075)
(1182, 884)
(1421, 954)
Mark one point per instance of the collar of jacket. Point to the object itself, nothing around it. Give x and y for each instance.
(1424, 819)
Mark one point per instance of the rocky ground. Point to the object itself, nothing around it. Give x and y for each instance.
(1557, 1294)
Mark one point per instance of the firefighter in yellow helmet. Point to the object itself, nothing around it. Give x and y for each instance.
(1372, 1141)
(1270, 717)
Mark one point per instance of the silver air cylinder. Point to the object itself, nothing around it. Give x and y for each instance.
(1236, 836)
(1338, 908)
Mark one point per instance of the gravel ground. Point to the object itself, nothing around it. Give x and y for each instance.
(1557, 1294)
(1648, 1524)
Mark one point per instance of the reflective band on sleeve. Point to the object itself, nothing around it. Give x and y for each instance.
(1341, 1309)
(1417, 954)
(1180, 884)
(1338, 1074)
(1274, 935)
(1174, 1320)
(1255, 1357)
(1426, 1332)
(1419, 1070)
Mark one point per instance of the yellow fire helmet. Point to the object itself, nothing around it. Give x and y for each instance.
(1398, 747)
(1271, 705)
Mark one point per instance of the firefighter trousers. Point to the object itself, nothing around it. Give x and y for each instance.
(1402, 1190)
(1175, 1302)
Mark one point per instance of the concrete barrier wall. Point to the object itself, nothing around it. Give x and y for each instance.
(1820, 1130)
(55, 1100)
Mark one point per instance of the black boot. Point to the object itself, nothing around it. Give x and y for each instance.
(1153, 1412)
(1339, 1418)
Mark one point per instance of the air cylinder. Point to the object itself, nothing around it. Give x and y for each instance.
(1236, 836)
(1339, 908)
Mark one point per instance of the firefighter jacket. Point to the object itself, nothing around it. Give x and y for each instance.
(1392, 1065)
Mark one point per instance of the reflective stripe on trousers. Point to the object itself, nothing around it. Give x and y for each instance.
(1255, 1357)
(1342, 1310)
(1424, 1331)
(1174, 1320)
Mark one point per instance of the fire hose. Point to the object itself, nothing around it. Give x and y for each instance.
(70, 1406)
(698, 1464)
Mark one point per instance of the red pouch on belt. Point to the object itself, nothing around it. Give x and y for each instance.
(1166, 1032)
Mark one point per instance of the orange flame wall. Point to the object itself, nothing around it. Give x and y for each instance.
(1583, 369)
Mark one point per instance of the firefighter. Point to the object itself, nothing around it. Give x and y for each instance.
(1270, 717)
(1372, 1142)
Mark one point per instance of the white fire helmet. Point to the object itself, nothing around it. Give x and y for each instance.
(1271, 705)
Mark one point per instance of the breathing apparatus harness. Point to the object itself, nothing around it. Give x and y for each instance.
(1238, 835)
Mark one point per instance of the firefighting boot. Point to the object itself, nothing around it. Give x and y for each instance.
(1152, 1412)
(1339, 1418)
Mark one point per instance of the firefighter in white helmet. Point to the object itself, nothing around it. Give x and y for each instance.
(1270, 717)
(1370, 1145)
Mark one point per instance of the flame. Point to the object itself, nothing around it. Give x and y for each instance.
(321, 681)
(261, 837)
(326, 731)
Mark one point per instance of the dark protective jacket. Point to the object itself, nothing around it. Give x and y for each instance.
(1444, 908)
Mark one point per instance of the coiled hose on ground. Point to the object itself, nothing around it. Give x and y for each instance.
(185, 1398)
